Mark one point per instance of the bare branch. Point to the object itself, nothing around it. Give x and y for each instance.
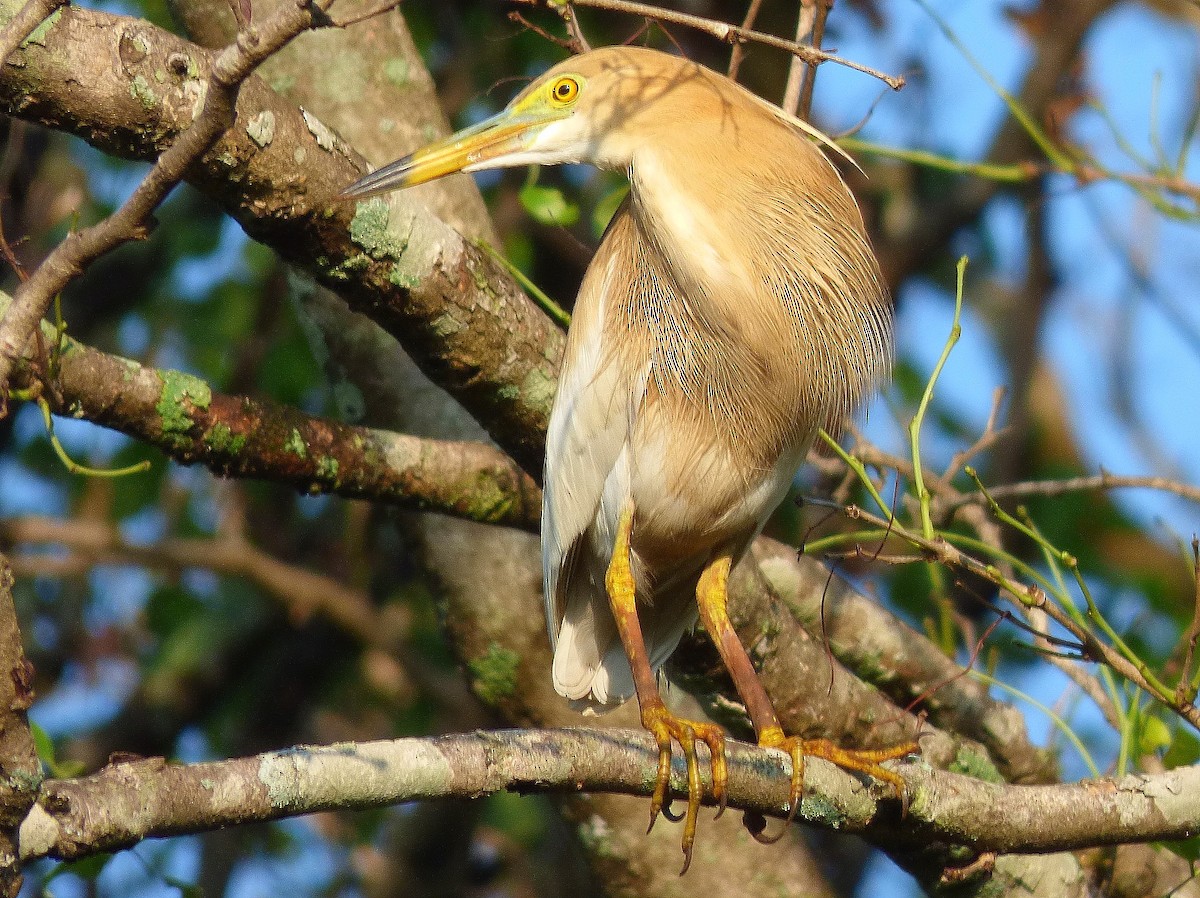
(738, 53)
(731, 34)
(1101, 481)
(810, 21)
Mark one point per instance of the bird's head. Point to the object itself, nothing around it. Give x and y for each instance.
(590, 108)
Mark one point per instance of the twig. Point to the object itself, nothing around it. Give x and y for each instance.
(378, 10)
(12, 151)
(1185, 690)
(1035, 597)
(579, 42)
(69, 259)
(986, 439)
(1101, 481)
(738, 53)
(301, 591)
(731, 34)
(565, 43)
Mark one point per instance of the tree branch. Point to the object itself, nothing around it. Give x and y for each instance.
(731, 34)
(129, 801)
(22, 771)
(235, 435)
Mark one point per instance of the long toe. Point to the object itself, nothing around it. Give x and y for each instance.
(665, 726)
(868, 761)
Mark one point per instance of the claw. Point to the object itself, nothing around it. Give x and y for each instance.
(665, 726)
(866, 761)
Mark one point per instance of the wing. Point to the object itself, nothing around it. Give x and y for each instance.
(586, 441)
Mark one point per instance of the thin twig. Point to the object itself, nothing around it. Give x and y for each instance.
(1184, 690)
(738, 53)
(730, 34)
(1101, 481)
(991, 432)
(565, 43)
(89, 543)
(1034, 597)
(378, 10)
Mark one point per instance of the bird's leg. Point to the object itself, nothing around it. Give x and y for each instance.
(655, 717)
(712, 595)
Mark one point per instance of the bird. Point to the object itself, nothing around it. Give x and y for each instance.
(734, 308)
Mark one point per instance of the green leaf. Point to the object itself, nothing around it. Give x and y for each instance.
(607, 208)
(1154, 735)
(548, 205)
(1184, 750)
(42, 744)
(86, 868)
(1188, 849)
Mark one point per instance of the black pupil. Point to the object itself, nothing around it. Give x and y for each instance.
(564, 89)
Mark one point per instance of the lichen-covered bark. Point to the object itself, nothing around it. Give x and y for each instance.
(20, 770)
(239, 436)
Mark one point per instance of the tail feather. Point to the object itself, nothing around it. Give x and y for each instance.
(590, 665)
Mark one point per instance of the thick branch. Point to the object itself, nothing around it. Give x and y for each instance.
(130, 801)
(235, 435)
(883, 650)
(22, 772)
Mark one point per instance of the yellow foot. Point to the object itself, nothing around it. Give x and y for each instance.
(666, 726)
(866, 761)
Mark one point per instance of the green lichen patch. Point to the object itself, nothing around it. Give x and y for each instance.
(141, 91)
(369, 229)
(181, 393)
(38, 35)
(295, 444)
(819, 809)
(223, 440)
(403, 278)
(396, 71)
(487, 501)
(328, 467)
(974, 763)
(539, 388)
(495, 673)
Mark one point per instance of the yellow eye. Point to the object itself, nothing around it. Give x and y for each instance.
(564, 90)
